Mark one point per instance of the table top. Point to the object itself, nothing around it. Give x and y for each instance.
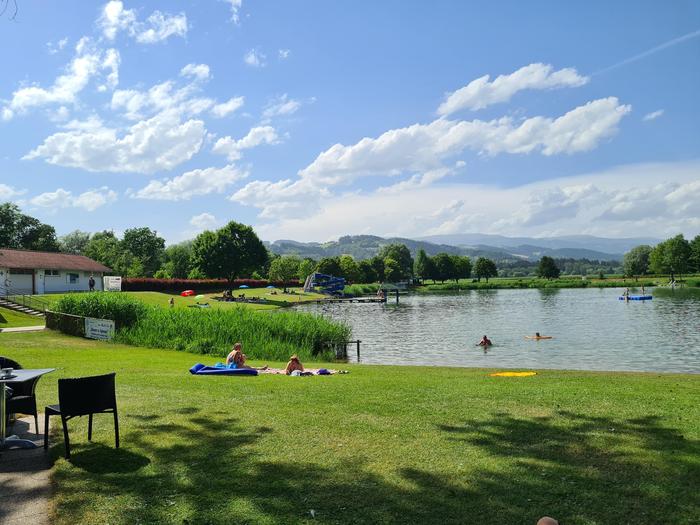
(25, 374)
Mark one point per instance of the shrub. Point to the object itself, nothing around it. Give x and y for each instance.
(123, 309)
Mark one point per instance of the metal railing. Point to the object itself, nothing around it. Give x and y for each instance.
(29, 301)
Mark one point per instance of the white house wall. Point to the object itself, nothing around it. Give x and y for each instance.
(61, 282)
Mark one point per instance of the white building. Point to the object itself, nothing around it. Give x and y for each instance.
(30, 272)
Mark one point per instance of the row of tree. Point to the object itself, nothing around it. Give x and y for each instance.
(674, 256)
(443, 267)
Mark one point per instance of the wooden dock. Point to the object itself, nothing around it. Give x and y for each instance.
(352, 300)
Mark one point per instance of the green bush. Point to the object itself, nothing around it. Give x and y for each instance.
(265, 335)
(357, 290)
(123, 309)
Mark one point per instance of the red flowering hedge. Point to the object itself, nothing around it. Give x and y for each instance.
(151, 284)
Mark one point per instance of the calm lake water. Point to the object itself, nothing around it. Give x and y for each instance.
(592, 329)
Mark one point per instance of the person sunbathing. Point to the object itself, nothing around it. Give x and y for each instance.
(293, 364)
(236, 359)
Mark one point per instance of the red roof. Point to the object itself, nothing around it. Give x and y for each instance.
(31, 260)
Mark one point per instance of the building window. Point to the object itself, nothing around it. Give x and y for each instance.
(72, 278)
(53, 273)
(20, 271)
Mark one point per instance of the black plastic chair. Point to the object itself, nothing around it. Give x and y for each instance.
(23, 398)
(83, 396)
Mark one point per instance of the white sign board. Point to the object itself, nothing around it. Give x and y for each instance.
(112, 283)
(99, 328)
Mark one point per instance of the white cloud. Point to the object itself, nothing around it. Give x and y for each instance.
(164, 96)
(423, 147)
(86, 64)
(235, 6)
(481, 93)
(191, 184)
(283, 54)
(198, 71)
(232, 148)
(281, 106)
(115, 18)
(653, 115)
(228, 107)
(89, 200)
(58, 46)
(159, 143)
(9, 192)
(157, 27)
(577, 205)
(254, 58)
(204, 221)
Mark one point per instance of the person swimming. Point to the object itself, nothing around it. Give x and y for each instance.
(485, 341)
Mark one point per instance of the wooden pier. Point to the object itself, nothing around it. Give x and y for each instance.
(352, 300)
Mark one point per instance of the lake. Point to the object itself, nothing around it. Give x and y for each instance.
(592, 329)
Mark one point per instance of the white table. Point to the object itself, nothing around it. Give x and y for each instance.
(23, 374)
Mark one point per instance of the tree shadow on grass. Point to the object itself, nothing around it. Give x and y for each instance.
(588, 469)
(582, 469)
(101, 459)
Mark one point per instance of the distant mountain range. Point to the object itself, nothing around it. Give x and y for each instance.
(495, 247)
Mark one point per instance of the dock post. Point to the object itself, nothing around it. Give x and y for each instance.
(358, 350)
(397, 296)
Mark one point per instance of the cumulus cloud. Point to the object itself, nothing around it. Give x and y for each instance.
(653, 115)
(423, 147)
(198, 71)
(283, 198)
(283, 54)
(164, 96)
(481, 92)
(254, 58)
(191, 184)
(87, 63)
(88, 201)
(159, 143)
(157, 27)
(9, 192)
(204, 221)
(281, 106)
(258, 135)
(228, 107)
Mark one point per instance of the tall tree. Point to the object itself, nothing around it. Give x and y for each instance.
(349, 268)
(20, 231)
(671, 256)
(392, 270)
(284, 269)
(444, 267)
(636, 261)
(547, 268)
(230, 252)
(367, 273)
(177, 259)
(74, 242)
(402, 255)
(463, 267)
(329, 266)
(306, 268)
(485, 268)
(147, 246)
(695, 254)
(421, 265)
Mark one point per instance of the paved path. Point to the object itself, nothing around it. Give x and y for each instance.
(25, 487)
(23, 329)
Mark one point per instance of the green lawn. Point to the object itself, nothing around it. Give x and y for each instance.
(162, 299)
(379, 445)
(11, 319)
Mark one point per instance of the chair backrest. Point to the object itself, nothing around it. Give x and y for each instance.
(87, 395)
(6, 362)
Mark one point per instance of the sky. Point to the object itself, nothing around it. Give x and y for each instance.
(312, 120)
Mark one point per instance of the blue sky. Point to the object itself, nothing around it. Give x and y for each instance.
(311, 120)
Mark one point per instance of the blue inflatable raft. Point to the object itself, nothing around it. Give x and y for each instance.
(636, 298)
(203, 370)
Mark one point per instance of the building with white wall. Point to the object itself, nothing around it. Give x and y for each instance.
(30, 272)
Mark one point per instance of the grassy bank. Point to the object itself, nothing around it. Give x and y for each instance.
(11, 319)
(379, 445)
(514, 283)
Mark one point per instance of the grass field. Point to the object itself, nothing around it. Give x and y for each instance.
(162, 299)
(379, 445)
(11, 319)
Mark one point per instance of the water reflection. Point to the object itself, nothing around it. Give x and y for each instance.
(592, 329)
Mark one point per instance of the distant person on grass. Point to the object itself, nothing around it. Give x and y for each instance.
(294, 364)
(91, 283)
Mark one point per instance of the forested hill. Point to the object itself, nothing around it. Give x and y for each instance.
(367, 246)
